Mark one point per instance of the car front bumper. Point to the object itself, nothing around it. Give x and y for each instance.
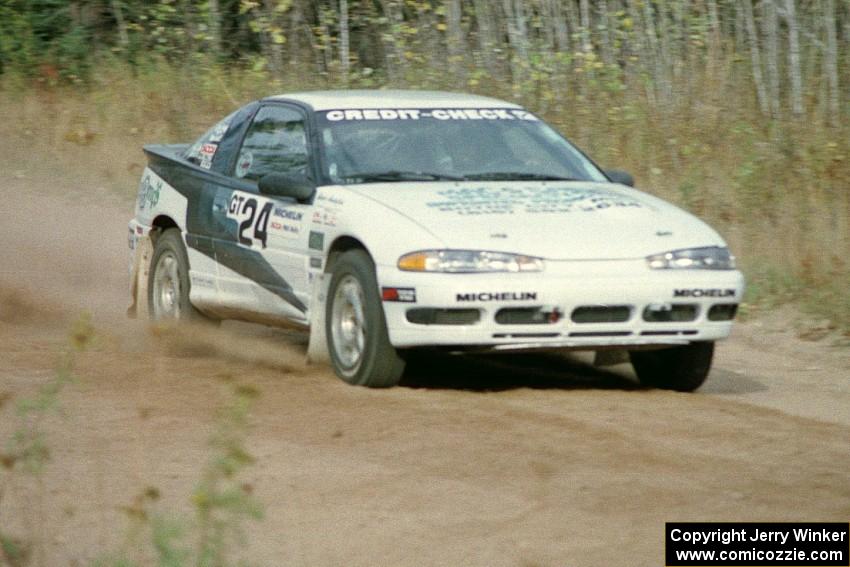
(578, 305)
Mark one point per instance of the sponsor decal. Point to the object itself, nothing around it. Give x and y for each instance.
(285, 229)
(219, 131)
(530, 200)
(246, 159)
(316, 240)
(399, 294)
(289, 214)
(252, 217)
(434, 113)
(149, 192)
(497, 296)
(289, 223)
(330, 200)
(325, 217)
(704, 292)
(202, 281)
(207, 153)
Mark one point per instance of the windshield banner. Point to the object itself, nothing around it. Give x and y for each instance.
(434, 113)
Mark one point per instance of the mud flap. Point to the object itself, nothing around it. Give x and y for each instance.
(317, 347)
(139, 279)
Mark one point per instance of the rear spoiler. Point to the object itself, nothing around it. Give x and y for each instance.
(171, 152)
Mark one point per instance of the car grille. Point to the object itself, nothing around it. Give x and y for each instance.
(676, 313)
(428, 316)
(527, 316)
(602, 314)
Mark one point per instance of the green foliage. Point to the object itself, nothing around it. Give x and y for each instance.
(27, 450)
(222, 502)
(11, 551)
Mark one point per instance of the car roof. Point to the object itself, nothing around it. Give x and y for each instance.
(345, 99)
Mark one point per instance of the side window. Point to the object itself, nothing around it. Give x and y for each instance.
(204, 150)
(275, 143)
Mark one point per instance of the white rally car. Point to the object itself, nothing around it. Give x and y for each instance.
(390, 220)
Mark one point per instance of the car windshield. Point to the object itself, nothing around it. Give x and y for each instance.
(446, 144)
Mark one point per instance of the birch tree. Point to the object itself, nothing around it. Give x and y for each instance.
(831, 61)
(794, 72)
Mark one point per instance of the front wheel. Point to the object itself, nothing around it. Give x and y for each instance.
(682, 368)
(355, 326)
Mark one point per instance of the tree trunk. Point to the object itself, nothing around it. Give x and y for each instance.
(562, 32)
(455, 39)
(487, 34)
(393, 46)
(658, 71)
(794, 58)
(215, 27)
(586, 45)
(831, 61)
(123, 38)
(605, 33)
(642, 50)
(274, 50)
(755, 56)
(518, 39)
(771, 25)
(344, 45)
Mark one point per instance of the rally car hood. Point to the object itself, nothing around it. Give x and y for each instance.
(553, 220)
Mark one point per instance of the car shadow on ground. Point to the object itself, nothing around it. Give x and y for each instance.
(499, 372)
(722, 381)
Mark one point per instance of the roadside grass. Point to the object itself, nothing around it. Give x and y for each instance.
(777, 190)
(222, 501)
(25, 454)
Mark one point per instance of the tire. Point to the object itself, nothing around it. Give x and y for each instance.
(355, 326)
(168, 281)
(681, 368)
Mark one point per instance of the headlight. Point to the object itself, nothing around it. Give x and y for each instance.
(708, 258)
(468, 261)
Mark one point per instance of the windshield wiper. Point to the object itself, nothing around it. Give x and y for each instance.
(395, 175)
(517, 175)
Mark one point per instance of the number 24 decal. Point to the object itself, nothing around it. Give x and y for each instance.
(246, 211)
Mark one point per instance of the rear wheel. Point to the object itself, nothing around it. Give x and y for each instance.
(355, 326)
(682, 368)
(168, 283)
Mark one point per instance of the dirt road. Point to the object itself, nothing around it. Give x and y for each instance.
(524, 461)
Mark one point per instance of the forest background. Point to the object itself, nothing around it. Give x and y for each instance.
(737, 110)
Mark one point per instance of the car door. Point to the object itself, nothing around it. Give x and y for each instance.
(262, 253)
(199, 179)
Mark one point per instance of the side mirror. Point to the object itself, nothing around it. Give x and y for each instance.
(294, 185)
(621, 177)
